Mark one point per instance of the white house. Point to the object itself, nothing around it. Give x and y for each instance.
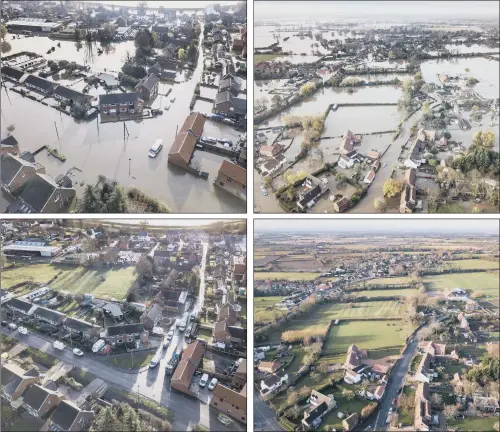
(345, 162)
(272, 383)
(352, 377)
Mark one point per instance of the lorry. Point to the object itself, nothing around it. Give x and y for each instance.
(172, 363)
(58, 345)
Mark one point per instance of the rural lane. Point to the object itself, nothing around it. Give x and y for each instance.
(264, 417)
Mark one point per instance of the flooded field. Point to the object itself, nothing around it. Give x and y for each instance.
(318, 103)
(111, 59)
(102, 150)
(470, 49)
(361, 120)
(266, 35)
(485, 70)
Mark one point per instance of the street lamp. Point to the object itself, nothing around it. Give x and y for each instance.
(129, 161)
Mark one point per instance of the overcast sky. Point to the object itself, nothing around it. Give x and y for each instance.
(376, 10)
(340, 226)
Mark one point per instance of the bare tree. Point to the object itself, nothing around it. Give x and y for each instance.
(450, 411)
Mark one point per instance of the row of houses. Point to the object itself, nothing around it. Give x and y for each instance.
(22, 388)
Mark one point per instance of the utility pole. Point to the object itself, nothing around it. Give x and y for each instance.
(56, 130)
(129, 162)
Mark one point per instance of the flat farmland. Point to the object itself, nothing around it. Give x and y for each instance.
(40, 273)
(325, 313)
(385, 293)
(473, 264)
(385, 281)
(366, 335)
(261, 303)
(290, 276)
(487, 283)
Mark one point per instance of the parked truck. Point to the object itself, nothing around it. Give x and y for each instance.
(172, 363)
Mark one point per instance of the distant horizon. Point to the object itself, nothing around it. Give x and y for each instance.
(408, 11)
(485, 227)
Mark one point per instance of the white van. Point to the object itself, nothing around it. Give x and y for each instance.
(204, 380)
(13, 326)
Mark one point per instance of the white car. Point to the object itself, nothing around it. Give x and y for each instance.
(77, 352)
(213, 383)
(156, 148)
(23, 330)
(170, 335)
(390, 410)
(204, 379)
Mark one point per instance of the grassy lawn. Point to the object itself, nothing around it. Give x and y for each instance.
(483, 282)
(384, 293)
(376, 354)
(265, 57)
(451, 208)
(406, 417)
(261, 303)
(474, 424)
(290, 276)
(205, 334)
(367, 335)
(40, 273)
(467, 264)
(415, 361)
(80, 280)
(343, 405)
(128, 361)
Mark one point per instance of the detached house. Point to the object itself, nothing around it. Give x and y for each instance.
(319, 406)
(165, 69)
(414, 159)
(15, 380)
(273, 382)
(233, 179)
(120, 103)
(151, 317)
(225, 333)
(350, 422)
(68, 417)
(341, 205)
(424, 371)
(370, 176)
(39, 400)
(229, 105)
(147, 88)
(269, 367)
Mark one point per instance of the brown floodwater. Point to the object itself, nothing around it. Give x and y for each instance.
(103, 151)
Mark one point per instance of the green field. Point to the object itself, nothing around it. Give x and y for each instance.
(474, 424)
(467, 264)
(325, 313)
(385, 281)
(261, 303)
(366, 335)
(128, 361)
(385, 293)
(75, 279)
(290, 276)
(265, 57)
(487, 283)
(40, 273)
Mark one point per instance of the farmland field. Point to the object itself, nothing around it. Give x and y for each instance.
(260, 305)
(290, 276)
(487, 283)
(385, 281)
(467, 264)
(40, 273)
(366, 335)
(325, 313)
(383, 293)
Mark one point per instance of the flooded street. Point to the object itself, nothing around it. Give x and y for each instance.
(102, 150)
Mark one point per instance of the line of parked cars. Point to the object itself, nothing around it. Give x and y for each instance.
(211, 140)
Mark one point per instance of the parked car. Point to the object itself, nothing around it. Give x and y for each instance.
(225, 141)
(204, 379)
(156, 112)
(23, 330)
(213, 383)
(224, 420)
(167, 108)
(12, 326)
(77, 352)
(209, 139)
(5, 323)
(170, 335)
(165, 343)
(156, 148)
